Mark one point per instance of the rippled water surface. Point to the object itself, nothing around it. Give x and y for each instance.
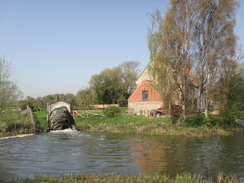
(59, 153)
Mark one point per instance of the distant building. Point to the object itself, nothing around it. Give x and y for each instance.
(146, 97)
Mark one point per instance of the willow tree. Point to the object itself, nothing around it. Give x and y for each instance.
(189, 46)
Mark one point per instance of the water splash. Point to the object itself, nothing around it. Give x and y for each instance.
(67, 130)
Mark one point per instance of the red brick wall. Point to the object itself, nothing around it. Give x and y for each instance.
(153, 95)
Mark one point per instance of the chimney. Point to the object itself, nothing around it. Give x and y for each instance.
(57, 97)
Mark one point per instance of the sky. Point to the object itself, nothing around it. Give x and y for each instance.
(55, 46)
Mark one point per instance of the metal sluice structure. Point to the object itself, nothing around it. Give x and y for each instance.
(59, 117)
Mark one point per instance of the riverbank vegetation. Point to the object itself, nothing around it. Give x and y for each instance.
(116, 120)
(111, 178)
(149, 126)
(180, 67)
(14, 122)
(18, 122)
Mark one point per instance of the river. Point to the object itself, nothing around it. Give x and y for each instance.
(66, 152)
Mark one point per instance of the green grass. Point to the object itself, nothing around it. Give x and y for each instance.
(147, 126)
(122, 121)
(42, 117)
(111, 178)
(13, 122)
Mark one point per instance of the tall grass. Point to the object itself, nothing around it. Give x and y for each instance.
(109, 178)
(41, 117)
(15, 122)
(94, 121)
(147, 126)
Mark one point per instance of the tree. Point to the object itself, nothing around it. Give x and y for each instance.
(230, 88)
(129, 75)
(85, 97)
(69, 98)
(215, 43)
(189, 46)
(170, 47)
(107, 85)
(115, 85)
(9, 91)
(49, 99)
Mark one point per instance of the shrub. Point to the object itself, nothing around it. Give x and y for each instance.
(112, 111)
(195, 121)
(200, 120)
(213, 121)
(23, 105)
(233, 113)
(19, 128)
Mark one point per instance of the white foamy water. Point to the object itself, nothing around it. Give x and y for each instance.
(68, 130)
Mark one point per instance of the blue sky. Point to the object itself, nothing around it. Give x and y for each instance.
(55, 46)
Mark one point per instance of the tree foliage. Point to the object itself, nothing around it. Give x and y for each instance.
(230, 91)
(114, 85)
(129, 74)
(215, 43)
(41, 102)
(189, 49)
(170, 47)
(85, 97)
(107, 85)
(9, 91)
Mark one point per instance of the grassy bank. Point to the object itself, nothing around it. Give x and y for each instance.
(93, 120)
(221, 178)
(148, 126)
(41, 117)
(15, 123)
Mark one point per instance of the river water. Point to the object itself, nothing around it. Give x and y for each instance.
(66, 152)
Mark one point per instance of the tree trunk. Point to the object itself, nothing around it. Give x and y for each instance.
(199, 99)
(207, 92)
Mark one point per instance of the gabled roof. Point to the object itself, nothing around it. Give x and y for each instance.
(143, 76)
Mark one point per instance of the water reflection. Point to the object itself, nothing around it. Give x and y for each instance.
(58, 153)
(203, 156)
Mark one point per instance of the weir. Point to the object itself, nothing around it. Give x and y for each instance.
(59, 117)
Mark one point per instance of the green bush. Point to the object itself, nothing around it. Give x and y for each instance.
(200, 120)
(112, 111)
(213, 121)
(195, 121)
(233, 113)
(23, 105)
(19, 128)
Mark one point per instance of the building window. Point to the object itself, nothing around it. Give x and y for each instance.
(144, 94)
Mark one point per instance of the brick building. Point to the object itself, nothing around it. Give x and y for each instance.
(145, 97)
